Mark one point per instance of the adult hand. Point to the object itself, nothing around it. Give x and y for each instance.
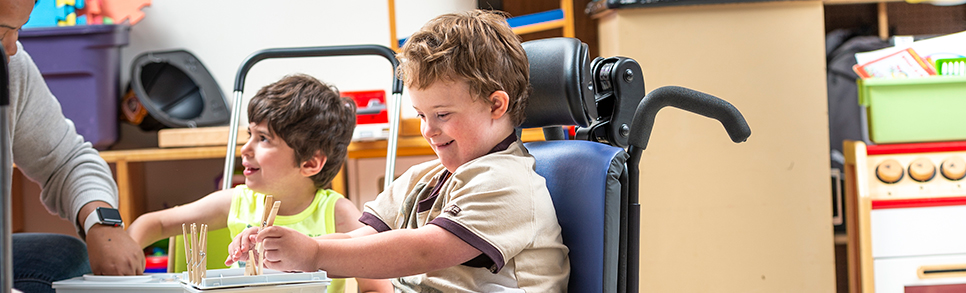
(288, 250)
(112, 252)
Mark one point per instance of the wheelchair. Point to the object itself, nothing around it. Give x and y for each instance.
(592, 173)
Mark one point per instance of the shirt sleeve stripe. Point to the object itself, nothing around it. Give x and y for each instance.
(374, 222)
(473, 240)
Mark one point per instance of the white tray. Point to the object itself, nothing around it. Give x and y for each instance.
(150, 283)
(290, 288)
(235, 278)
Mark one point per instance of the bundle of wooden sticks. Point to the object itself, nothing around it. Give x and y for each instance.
(256, 259)
(195, 251)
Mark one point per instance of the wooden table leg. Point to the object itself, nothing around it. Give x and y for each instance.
(130, 185)
(339, 182)
(16, 201)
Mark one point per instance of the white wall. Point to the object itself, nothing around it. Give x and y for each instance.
(222, 34)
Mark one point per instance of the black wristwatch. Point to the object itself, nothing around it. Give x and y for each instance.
(103, 216)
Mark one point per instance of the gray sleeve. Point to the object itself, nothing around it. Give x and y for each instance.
(48, 150)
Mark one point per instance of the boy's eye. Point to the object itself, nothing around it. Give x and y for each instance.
(442, 115)
(420, 115)
(262, 138)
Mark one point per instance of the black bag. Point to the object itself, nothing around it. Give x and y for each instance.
(844, 113)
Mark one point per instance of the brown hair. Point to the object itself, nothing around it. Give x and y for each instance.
(477, 47)
(310, 116)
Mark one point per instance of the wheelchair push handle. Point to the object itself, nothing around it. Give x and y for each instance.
(691, 101)
(350, 50)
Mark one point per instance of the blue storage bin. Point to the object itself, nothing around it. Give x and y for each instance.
(81, 65)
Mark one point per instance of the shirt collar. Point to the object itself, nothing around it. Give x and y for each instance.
(505, 144)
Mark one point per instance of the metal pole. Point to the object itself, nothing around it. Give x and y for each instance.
(393, 139)
(6, 250)
(6, 260)
(232, 138)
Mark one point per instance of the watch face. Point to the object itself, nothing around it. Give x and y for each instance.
(109, 215)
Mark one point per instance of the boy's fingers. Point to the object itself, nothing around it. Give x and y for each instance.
(246, 242)
(268, 232)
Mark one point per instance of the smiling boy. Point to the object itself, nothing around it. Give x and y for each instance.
(478, 219)
(299, 129)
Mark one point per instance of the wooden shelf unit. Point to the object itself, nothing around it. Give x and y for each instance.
(128, 166)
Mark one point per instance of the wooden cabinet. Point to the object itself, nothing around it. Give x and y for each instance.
(749, 217)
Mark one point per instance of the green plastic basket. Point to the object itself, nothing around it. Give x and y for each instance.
(905, 110)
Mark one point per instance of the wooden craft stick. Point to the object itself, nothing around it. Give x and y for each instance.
(196, 253)
(268, 223)
(203, 247)
(271, 216)
(251, 263)
(187, 246)
(255, 261)
(269, 201)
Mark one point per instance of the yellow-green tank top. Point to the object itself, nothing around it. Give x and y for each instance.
(316, 220)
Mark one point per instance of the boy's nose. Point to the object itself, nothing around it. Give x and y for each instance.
(428, 129)
(246, 148)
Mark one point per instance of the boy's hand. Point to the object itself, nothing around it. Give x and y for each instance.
(288, 250)
(240, 245)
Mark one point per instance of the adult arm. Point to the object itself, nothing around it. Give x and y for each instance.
(73, 177)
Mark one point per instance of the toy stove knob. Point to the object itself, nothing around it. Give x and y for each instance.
(953, 168)
(889, 171)
(922, 170)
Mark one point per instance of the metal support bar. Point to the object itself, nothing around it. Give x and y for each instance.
(324, 51)
(6, 234)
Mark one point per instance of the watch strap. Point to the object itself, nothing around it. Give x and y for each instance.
(92, 219)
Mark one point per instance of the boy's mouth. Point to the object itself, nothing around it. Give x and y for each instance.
(249, 171)
(445, 144)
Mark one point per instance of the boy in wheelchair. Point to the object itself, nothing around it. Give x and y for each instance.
(479, 218)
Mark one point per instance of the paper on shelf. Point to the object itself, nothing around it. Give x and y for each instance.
(948, 46)
(904, 63)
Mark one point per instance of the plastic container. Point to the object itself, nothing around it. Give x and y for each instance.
(904, 110)
(176, 89)
(951, 66)
(372, 118)
(234, 280)
(81, 65)
(153, 283)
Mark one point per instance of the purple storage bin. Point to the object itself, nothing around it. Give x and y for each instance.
(81, 65)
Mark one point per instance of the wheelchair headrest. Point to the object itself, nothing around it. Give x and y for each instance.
(560, 80)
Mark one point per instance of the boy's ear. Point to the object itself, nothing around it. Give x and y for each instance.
(313, 165)
(499, 102)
